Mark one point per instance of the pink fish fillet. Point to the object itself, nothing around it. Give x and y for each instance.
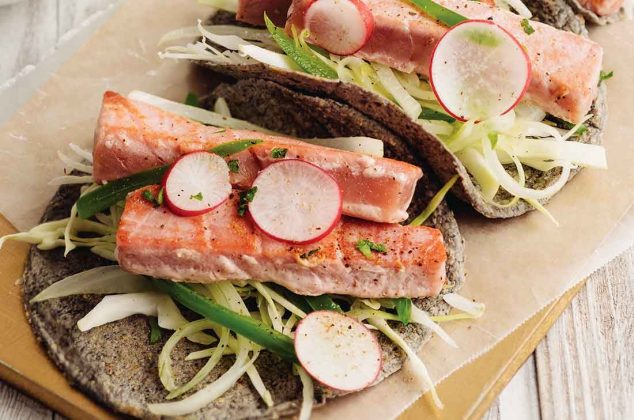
(133, 136)
(221, 245)
(565, 66)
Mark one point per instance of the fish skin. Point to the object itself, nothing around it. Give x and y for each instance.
(565, 66)
(133, 136)
(221, 245)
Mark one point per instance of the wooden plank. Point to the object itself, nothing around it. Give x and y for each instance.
(585, 366)
(470, 391)
(14, 405)
(520, 399)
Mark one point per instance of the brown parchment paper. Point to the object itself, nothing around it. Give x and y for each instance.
(515, 266)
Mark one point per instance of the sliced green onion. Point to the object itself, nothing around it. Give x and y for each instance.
(438, 12)
(434, 203)
(308, 62)
(240, 324)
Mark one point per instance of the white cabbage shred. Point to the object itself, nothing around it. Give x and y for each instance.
(521, 138)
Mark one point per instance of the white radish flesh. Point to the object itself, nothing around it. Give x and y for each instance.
(340, 26)
(338, 351)
(296, 202)
(478, 70)
(196, 183)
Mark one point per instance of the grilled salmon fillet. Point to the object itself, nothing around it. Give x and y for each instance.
(602, 7)
(221, 245)
(565, 66)
(134, 136)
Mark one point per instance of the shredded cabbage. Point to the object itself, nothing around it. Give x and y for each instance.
(308, 393)
(417, 365)
(99, 281)
(475, 309)
(221, 107)
(228, 5)
(526, 138)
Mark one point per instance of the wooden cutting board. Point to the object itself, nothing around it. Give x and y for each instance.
(466, 394)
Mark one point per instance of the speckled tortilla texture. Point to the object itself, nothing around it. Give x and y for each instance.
(117, 366)
(389, 116)
(567, 11)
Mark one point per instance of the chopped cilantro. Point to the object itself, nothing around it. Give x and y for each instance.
(155, 331)
(245, 198)
(234, 166)
(526, 25)
(366, 246)
(278, 153)
(192, 100)
(605, 75)
(198, 197)
(159, 197)
(404, 309)
(148, 196)
(310, 253)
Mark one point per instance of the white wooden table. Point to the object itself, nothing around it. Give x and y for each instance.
(584, 368)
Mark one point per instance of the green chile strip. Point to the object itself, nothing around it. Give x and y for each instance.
(114, 191)
(440, 13)
(245, 326)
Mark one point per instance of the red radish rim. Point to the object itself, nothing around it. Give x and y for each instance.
(327, 231)
(374, 340)
(488, 22)
(367, 17)
(173, 207)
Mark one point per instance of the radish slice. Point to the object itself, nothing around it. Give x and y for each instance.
(479, 70)
(196, 183)
(296, 202)
(338, 351)
(340, 26)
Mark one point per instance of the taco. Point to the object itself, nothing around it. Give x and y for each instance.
(509, 162)
(233, 338)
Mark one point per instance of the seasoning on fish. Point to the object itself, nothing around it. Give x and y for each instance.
(133, 136)
(221, 245)
(565, 66)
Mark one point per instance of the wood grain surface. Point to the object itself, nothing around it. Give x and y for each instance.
(584, 368)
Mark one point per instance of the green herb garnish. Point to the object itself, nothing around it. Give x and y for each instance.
(605, 75)
(198, 196)
(192, 100)
(159, 197)
(278, 153)
(366, 246)
(245, 198)
(404, 309)
(310, 253)
(148, 196)
(304, 59)
(155, 331)
(526, 25)
(234, 166)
